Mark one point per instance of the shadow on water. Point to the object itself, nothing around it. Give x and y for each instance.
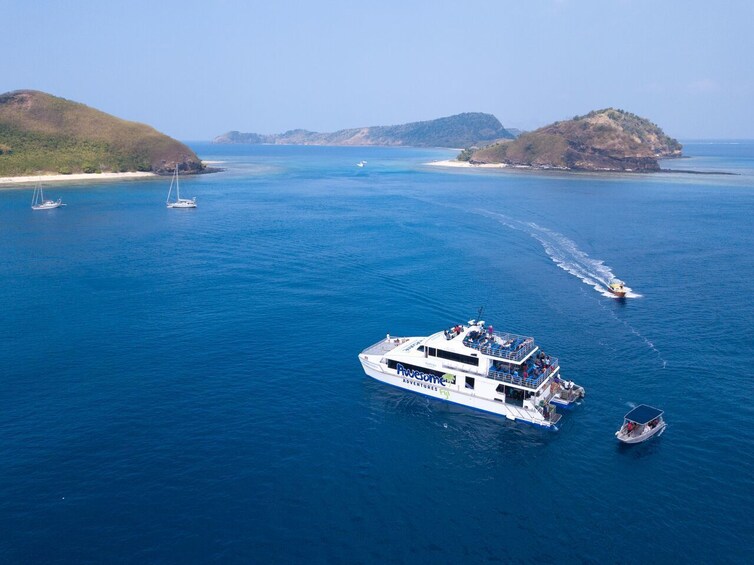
(455, 424)
(640, 450)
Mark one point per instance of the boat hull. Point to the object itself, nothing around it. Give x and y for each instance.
(389, 376)
(45, 206)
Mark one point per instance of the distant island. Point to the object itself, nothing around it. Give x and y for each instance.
(461, 130)
(602, 140)
(44, 134)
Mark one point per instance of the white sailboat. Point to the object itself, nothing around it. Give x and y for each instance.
(38, 201)
(178, 202)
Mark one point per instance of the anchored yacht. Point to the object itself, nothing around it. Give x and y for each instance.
(473, 365)
(178, 202)
(39, 202)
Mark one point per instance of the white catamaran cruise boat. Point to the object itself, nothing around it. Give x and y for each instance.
(475, 366)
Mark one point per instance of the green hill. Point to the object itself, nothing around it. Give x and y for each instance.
(41, 133)
(603, 140)
(461, 130)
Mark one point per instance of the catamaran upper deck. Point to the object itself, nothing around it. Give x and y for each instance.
(510, 347)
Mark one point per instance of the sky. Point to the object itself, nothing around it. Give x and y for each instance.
(195, 70)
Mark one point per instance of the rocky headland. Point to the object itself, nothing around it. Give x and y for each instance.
(602, 140)
(42, 134)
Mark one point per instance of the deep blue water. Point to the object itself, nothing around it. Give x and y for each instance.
(183, 386)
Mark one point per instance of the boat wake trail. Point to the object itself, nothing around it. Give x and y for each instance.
(566, 254)
(641, 336)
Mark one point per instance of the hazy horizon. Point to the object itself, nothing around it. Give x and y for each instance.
(196, 70)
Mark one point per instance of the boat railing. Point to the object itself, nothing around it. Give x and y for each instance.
(505, 346)
(383, 346)
(550, 414)
(528, 382)
(548, 411)
(508, 378)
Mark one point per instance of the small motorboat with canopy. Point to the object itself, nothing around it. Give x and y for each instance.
(640, 424)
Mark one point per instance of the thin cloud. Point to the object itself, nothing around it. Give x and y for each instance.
(705, 86)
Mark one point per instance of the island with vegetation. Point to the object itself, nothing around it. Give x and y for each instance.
(43, 134)
(602, 140)
(461, 130)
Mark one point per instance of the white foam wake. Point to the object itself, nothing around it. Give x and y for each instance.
(566, 254)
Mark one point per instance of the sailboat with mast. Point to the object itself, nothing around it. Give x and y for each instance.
(38, 201)
(178, 202)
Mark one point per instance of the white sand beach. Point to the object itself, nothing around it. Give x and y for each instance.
(9, 181)
(463, 164)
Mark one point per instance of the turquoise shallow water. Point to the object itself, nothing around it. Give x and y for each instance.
(182, 386)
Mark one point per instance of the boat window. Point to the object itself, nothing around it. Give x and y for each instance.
(500, 389)
(457, 357)
(420, 348)
(470, 383)
(514, 396)
(432, 351)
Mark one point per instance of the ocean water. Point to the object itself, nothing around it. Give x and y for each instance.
(183, 386)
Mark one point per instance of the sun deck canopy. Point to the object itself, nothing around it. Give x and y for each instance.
(643, 414)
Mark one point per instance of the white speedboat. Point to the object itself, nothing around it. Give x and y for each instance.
(361, 163)
(178, 202)
(475, 366)
(640, 424)
(38, 201)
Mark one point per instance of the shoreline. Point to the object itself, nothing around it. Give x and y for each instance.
(465, 164)
(452, 163)
(11, 181)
